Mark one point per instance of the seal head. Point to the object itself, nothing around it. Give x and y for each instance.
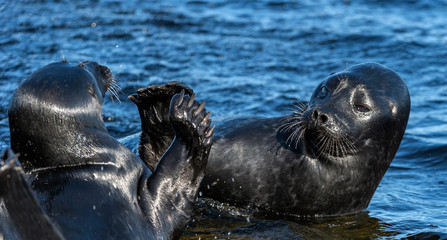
(353, 109)
(55, 108)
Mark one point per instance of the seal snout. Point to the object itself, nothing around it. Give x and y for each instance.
(99, 71)
(103, 77)
(319, 117)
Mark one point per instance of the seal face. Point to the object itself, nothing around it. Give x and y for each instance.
(326, 159)
(87, 184)
(349, 110)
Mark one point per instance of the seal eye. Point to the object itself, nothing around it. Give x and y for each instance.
(323, 92)
(361, 108)
(91, 91)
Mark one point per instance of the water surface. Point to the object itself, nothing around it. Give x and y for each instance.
(257, 58)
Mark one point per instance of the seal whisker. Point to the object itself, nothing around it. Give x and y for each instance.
(300, 137)
(330, 146)
(346, 146)
(296, 135)
(343, 148)
(289, 125)
(327, 148)
(335, 148)
(290, 122)
(112, 90)
(294, 121)
(291, 136)
(351, 146)
(303, 107)
(114, 82)
(298, 108)
(322, 144)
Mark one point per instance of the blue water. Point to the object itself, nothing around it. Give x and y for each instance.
(256, 58)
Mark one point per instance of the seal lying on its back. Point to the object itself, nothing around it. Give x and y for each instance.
(325, 159)
(87, 183)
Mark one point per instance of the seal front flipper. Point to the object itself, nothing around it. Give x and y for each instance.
(192, 126)
(153, 105)
(173, 186)
(20, 214)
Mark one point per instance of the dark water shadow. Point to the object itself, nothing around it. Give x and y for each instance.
(214, 220)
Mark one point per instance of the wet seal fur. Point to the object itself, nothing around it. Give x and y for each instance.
(87, 184)
(325, 159)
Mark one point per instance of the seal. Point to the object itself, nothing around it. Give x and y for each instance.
(86, 182)
(325, 159)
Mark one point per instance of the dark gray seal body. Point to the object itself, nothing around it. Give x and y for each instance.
(87, 183)
(326, 159)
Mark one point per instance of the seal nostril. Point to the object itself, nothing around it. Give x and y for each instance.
(323, 118)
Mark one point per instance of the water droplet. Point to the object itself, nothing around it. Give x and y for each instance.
(93, 24)
(200, 193)
(94, 207)
(248, 219)
(232, 179)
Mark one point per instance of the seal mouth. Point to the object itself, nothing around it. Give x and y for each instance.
(322, 143)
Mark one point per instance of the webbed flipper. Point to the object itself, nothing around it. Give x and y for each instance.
(153, 105)
(175, 182)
